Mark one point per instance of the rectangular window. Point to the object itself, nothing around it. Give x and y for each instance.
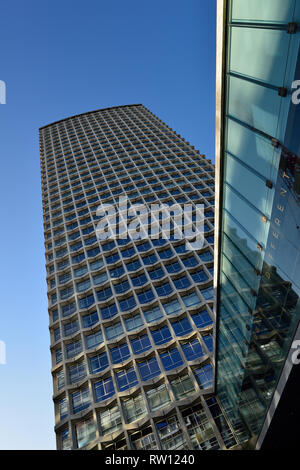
(134, 408)
(153, 314)
(126, 378)
(110, 420)
(113, 331)
(85, 432)
(182, 386)
(158, 397)
(77, 372)
(94, 340)
(104, 389)
(98, 363)
(134, 322)
(81, 400)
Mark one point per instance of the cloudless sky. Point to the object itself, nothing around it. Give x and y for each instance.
(60, 58)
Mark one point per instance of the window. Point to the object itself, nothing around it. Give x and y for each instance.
(182, 282)
(90, 241)
(191, 300)
(126, 378)
(171, 359)
(100, 279)
(87, 301)
(72, 349)
(60, 380)
(146, 296)
(151, 259)
(182, 386)
(61, 253)
(80, 271)
(108, 246)
(78, 258)
(180, 248)
(182, 327)
(149, 368)
(208, 294)
(146, 442)
(62, 265)
(161, 335)
(90, 319)
(206, 256)
(192, 350)
(190, 262)
(134, 408)
(208, 340)
(204, 376)
(127, 304)
(164, 289)
(140, 344)
(109, 311)
(113, 331)
(170, 434)
(200, 430)
(139, 280)
(158, 397)
(165, 254)
(202, 319)
(85, 432)
(122, 287)
(97, 264)
(64, 278)
(98, 363)
(112, 258)
(110, 420)
(65, 440)
(94, 340)
(172, 307)
(80, 400)
(153, 314)
(173, 267)
(199, 276)
(56, 334)
(55, 315)
(128, 253)
(132, 323)
(104, 294)
(156, 273)
(159, 242)
(76, 246)
(119, 353)
(82, 286)
(133, 266)
(104, 389)
(58, 356)
(144, 246)
(77, 372)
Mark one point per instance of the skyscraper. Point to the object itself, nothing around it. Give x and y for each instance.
(131, 321)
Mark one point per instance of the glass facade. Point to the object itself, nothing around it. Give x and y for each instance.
(258, 274)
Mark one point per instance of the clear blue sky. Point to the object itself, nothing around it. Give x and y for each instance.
(59, 58)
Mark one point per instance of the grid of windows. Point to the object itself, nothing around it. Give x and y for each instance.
(115, 304)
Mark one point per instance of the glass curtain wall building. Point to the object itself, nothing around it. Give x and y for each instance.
(258, 221)
(131, 322)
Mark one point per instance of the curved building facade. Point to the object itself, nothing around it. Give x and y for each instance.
(131, 321)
